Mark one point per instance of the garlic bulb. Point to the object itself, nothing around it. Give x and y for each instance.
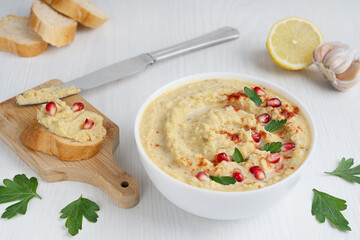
(338, 63)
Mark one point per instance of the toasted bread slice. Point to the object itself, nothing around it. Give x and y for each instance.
(52, 26)
(82, 11)
(17, 37)
(37, 137)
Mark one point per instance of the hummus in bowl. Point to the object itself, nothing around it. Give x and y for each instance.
(207, 132)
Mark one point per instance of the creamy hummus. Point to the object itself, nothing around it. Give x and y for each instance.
(45, 94)
(69, 124)
(184, 129)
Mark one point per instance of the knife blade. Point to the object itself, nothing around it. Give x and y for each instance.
(137, 64)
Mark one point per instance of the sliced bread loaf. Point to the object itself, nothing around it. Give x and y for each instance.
(83, 11)
(38, 138)
(17, 37)
(52, 26)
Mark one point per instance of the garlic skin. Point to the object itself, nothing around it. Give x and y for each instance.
(338, 63)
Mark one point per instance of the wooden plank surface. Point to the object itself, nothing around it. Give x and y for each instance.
(137, 26)
(100, 170)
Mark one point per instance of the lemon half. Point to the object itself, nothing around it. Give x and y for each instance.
(291, 42)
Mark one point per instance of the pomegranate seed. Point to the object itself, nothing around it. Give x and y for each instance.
(255, 136)
(202, 176)
(264, 118)
(273, 157)
(274, 102)
(51, 108)
(287, 146)
(222, 157)
(258, 172)
(238, 175)
(88, 124)
(77, 106)
(259, 91)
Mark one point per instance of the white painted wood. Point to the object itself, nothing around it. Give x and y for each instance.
(138, 26)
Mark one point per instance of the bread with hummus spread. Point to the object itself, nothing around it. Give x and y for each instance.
(17, 37)
(71, 133)
(53, 27)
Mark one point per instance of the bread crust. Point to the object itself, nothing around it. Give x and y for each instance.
(77, 12)
(55, 35)
(21, 49)
(38, 138)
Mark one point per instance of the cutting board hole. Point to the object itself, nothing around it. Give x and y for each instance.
(124, 184)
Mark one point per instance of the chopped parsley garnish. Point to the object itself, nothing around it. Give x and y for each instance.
(223, 180)
(274, 125)
(237, 156)
(273, 147)
(253, 96)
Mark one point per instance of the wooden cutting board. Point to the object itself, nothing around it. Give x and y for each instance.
(101, 170)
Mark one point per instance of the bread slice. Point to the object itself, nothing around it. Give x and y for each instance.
(17, 37)
(52, 26)
(82, 11)
(37, 137)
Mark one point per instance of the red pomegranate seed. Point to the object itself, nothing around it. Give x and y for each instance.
(258, 172)
(255, 136)
(259, 91)
(77, 106)
(222, 157)
(273, 157)
(88, 124)
(238, 175)
(264, 118)
(287, 146)
(51, 108)
(202, 176)
(274, 102)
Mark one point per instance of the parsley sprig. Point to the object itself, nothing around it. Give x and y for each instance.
(253, 96)
(75, 211)
(327, 206)
(273, 147)
(274, 125)
(345, 171)
(223, 180)
(238, 156)
(20, 188)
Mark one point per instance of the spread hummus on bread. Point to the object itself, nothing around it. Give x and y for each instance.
(225, 135)
(65, 122)
(45, 94)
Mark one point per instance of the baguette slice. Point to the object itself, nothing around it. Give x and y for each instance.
(38, 138)
(17, 37)
(82, 11)
(52, 26)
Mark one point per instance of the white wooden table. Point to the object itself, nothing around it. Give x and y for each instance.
(139, 26)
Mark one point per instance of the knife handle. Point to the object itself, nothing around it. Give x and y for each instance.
(221, 35)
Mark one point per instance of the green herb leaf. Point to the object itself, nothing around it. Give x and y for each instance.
(344, 171)
(223, 180)
(327, 206)
(274, 125)
(20, 188)
(237, 156)
(75, 211)
(273, 147)
(252, 95)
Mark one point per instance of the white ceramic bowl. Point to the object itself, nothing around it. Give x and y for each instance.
(216, 204)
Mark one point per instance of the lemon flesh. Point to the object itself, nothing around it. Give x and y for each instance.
(291, 42)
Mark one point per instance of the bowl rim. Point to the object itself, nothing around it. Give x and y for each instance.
(228, 76)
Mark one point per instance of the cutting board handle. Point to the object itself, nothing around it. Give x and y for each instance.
(120, 186)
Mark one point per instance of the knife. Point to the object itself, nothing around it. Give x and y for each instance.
(137, 64)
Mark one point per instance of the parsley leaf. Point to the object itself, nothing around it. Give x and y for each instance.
(75, 211)
(237, 156)
(344, 171)
(273, 147)
(327, 206)
(253, 96)
(274, 125)
(22, 189)
(223, 180)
